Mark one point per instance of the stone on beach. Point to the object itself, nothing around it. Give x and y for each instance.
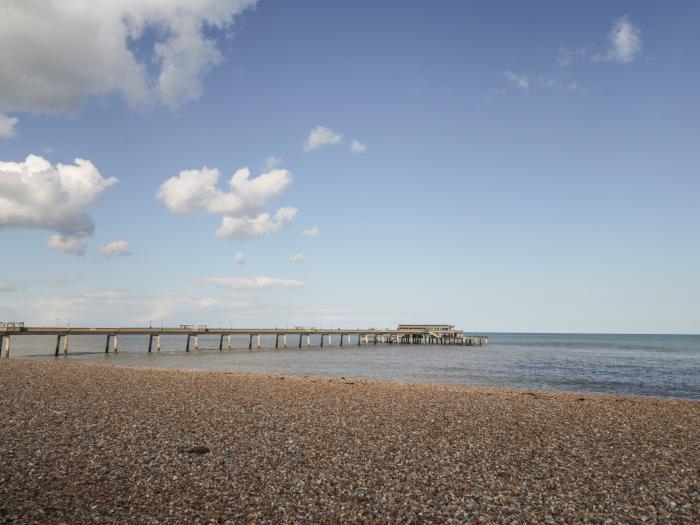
(86, 443)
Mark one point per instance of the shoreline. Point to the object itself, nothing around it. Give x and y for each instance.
(78, 360)
(88, 442)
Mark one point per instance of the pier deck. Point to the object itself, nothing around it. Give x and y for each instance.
(404, 334)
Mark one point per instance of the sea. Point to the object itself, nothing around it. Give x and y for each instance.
(639, 365)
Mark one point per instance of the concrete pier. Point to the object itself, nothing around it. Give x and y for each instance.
(402, 335)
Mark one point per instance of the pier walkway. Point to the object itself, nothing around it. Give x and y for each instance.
(284, 337)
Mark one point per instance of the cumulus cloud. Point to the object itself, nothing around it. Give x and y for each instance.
(320, 137)
(7, 126)
(196, 190)
(297, 258)
(115, 248)
(519, 80)
(272, 162)
(54, 54)
(357, 147)
(625, 43)
(35, 194)
(250, 282)
(239, 258)
(311, 232)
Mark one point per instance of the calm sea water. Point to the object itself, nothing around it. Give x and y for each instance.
(654, 365)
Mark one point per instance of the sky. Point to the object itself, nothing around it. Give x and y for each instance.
(501, 166)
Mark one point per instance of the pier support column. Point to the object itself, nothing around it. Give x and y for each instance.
(341, 340)
(221, 342)
(300, 336)
(277, 340)
(158, 343)
(284, 340)
(58, 344)
(116, 343)
(7, 347)
(250, 342)
(258, 346)
(2, 341)
(359, 339)
(150, 343)
(308, 340)
(106, 345)
(229, 342)
(321, 340)
(65, 345)
(196, 343)
(187, 348)
(330, 339)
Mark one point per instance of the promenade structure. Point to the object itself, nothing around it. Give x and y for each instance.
(285, 337)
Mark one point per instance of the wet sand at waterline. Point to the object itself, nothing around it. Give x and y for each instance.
(85, 443)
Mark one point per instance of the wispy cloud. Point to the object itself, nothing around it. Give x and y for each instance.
(297, 258)
(250, 282)
(321, 137)
(115, 248)
(625, 43)
(311, 232)
(239, 258)
(7, 126)
(272, 161)
(357, 147)
(519, 80)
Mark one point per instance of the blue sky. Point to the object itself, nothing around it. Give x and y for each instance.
(527, 168)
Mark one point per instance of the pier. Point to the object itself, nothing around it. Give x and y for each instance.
(430, 334)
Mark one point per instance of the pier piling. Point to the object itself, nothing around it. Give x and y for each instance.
(404, 334)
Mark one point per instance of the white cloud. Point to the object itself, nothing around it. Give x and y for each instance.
(196, 190)
(320, 137)
(357, 147)
(625, 43)
(569, 56)
(250, 282)
(115, 248)
(67, 245)
(311, 232)
(272, 162)
(7, 126)
(55, 54)
(519, 80)
(236, 227)
(239, 258)
(297, 258)
(35, 194)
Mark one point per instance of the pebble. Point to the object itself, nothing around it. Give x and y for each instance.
(86, 443)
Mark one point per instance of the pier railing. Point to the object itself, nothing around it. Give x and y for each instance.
(355, 336)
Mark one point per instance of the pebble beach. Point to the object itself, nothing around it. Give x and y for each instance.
(86, 443)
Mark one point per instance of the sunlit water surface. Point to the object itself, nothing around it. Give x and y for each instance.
(655, 365)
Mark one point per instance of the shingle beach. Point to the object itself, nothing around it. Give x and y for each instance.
(84, 443)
